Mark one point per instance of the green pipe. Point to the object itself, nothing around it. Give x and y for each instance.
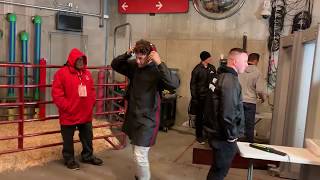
(37, 51)
(12, 18)
(24, 37)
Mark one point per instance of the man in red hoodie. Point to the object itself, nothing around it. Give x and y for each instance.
(74, 95)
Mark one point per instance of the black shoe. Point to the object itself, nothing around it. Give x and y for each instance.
(72, 164)
(136, 178)
(93, 160)
(201, 141)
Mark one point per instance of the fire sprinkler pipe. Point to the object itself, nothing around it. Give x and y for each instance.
(37, 51)
(12, 18)
(24, 37)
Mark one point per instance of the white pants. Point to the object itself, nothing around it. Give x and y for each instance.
(141, 159)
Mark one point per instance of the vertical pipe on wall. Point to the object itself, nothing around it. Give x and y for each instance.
(244, 41)
(24, 37)
(12, 18)
(101, 19)
(37, 51)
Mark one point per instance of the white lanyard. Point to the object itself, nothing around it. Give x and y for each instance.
(82, 89)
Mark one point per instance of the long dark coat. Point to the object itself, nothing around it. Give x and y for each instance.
(143, 113)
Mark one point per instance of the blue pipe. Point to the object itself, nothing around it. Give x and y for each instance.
(11, 17)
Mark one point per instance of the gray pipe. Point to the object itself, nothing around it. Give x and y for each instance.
(114, 52)
(102, 6)
(106, 47)
(52, 9)
(115, 39)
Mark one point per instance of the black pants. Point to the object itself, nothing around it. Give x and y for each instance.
(223, 154)
(199, 119)
(85, 135)
(249, 115)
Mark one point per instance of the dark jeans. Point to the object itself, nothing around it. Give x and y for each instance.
(199, 119)
(85, 135)
(249, 115)
(223, 154)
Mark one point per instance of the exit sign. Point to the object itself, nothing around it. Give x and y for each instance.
(152, 6)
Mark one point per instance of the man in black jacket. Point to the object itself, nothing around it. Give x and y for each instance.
(147, 75)
(199, 87)
(224, 117)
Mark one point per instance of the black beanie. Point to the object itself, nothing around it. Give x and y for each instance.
(204, 55)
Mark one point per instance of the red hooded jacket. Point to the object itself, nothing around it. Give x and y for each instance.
(73, 109)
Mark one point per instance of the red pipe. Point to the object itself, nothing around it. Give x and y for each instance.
(121, 134)
(21, 104)
(21, 109)
(100, 94)
(110, 112)
(42, 89)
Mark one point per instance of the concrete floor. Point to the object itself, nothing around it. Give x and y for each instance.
(170, 159)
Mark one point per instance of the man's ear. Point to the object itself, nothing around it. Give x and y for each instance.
(233, 61)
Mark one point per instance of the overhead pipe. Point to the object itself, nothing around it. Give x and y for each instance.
(24, 37)
(12, 19)
(101, 15)
(50, 8)
(37, 51)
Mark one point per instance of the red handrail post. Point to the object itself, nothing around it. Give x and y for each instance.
(42, 89)
(21, 108)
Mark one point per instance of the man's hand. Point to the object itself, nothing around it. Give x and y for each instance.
(154, 56)
(261, 97)
(129, 52)
(232, 140)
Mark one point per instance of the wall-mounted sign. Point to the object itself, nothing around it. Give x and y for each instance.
(152, 6)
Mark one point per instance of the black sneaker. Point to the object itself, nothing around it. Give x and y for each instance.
(201, 141)
(93, 160)
(72, 164)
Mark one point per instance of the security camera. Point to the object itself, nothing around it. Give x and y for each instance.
(266, 9)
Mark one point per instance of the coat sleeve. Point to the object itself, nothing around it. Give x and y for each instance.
(58, 93)
(168, 80)
(228, 107)
(193, 84)
(122, 66)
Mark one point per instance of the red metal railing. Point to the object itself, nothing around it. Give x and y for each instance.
(21, 104)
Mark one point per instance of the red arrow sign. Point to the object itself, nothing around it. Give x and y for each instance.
(152, 6)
